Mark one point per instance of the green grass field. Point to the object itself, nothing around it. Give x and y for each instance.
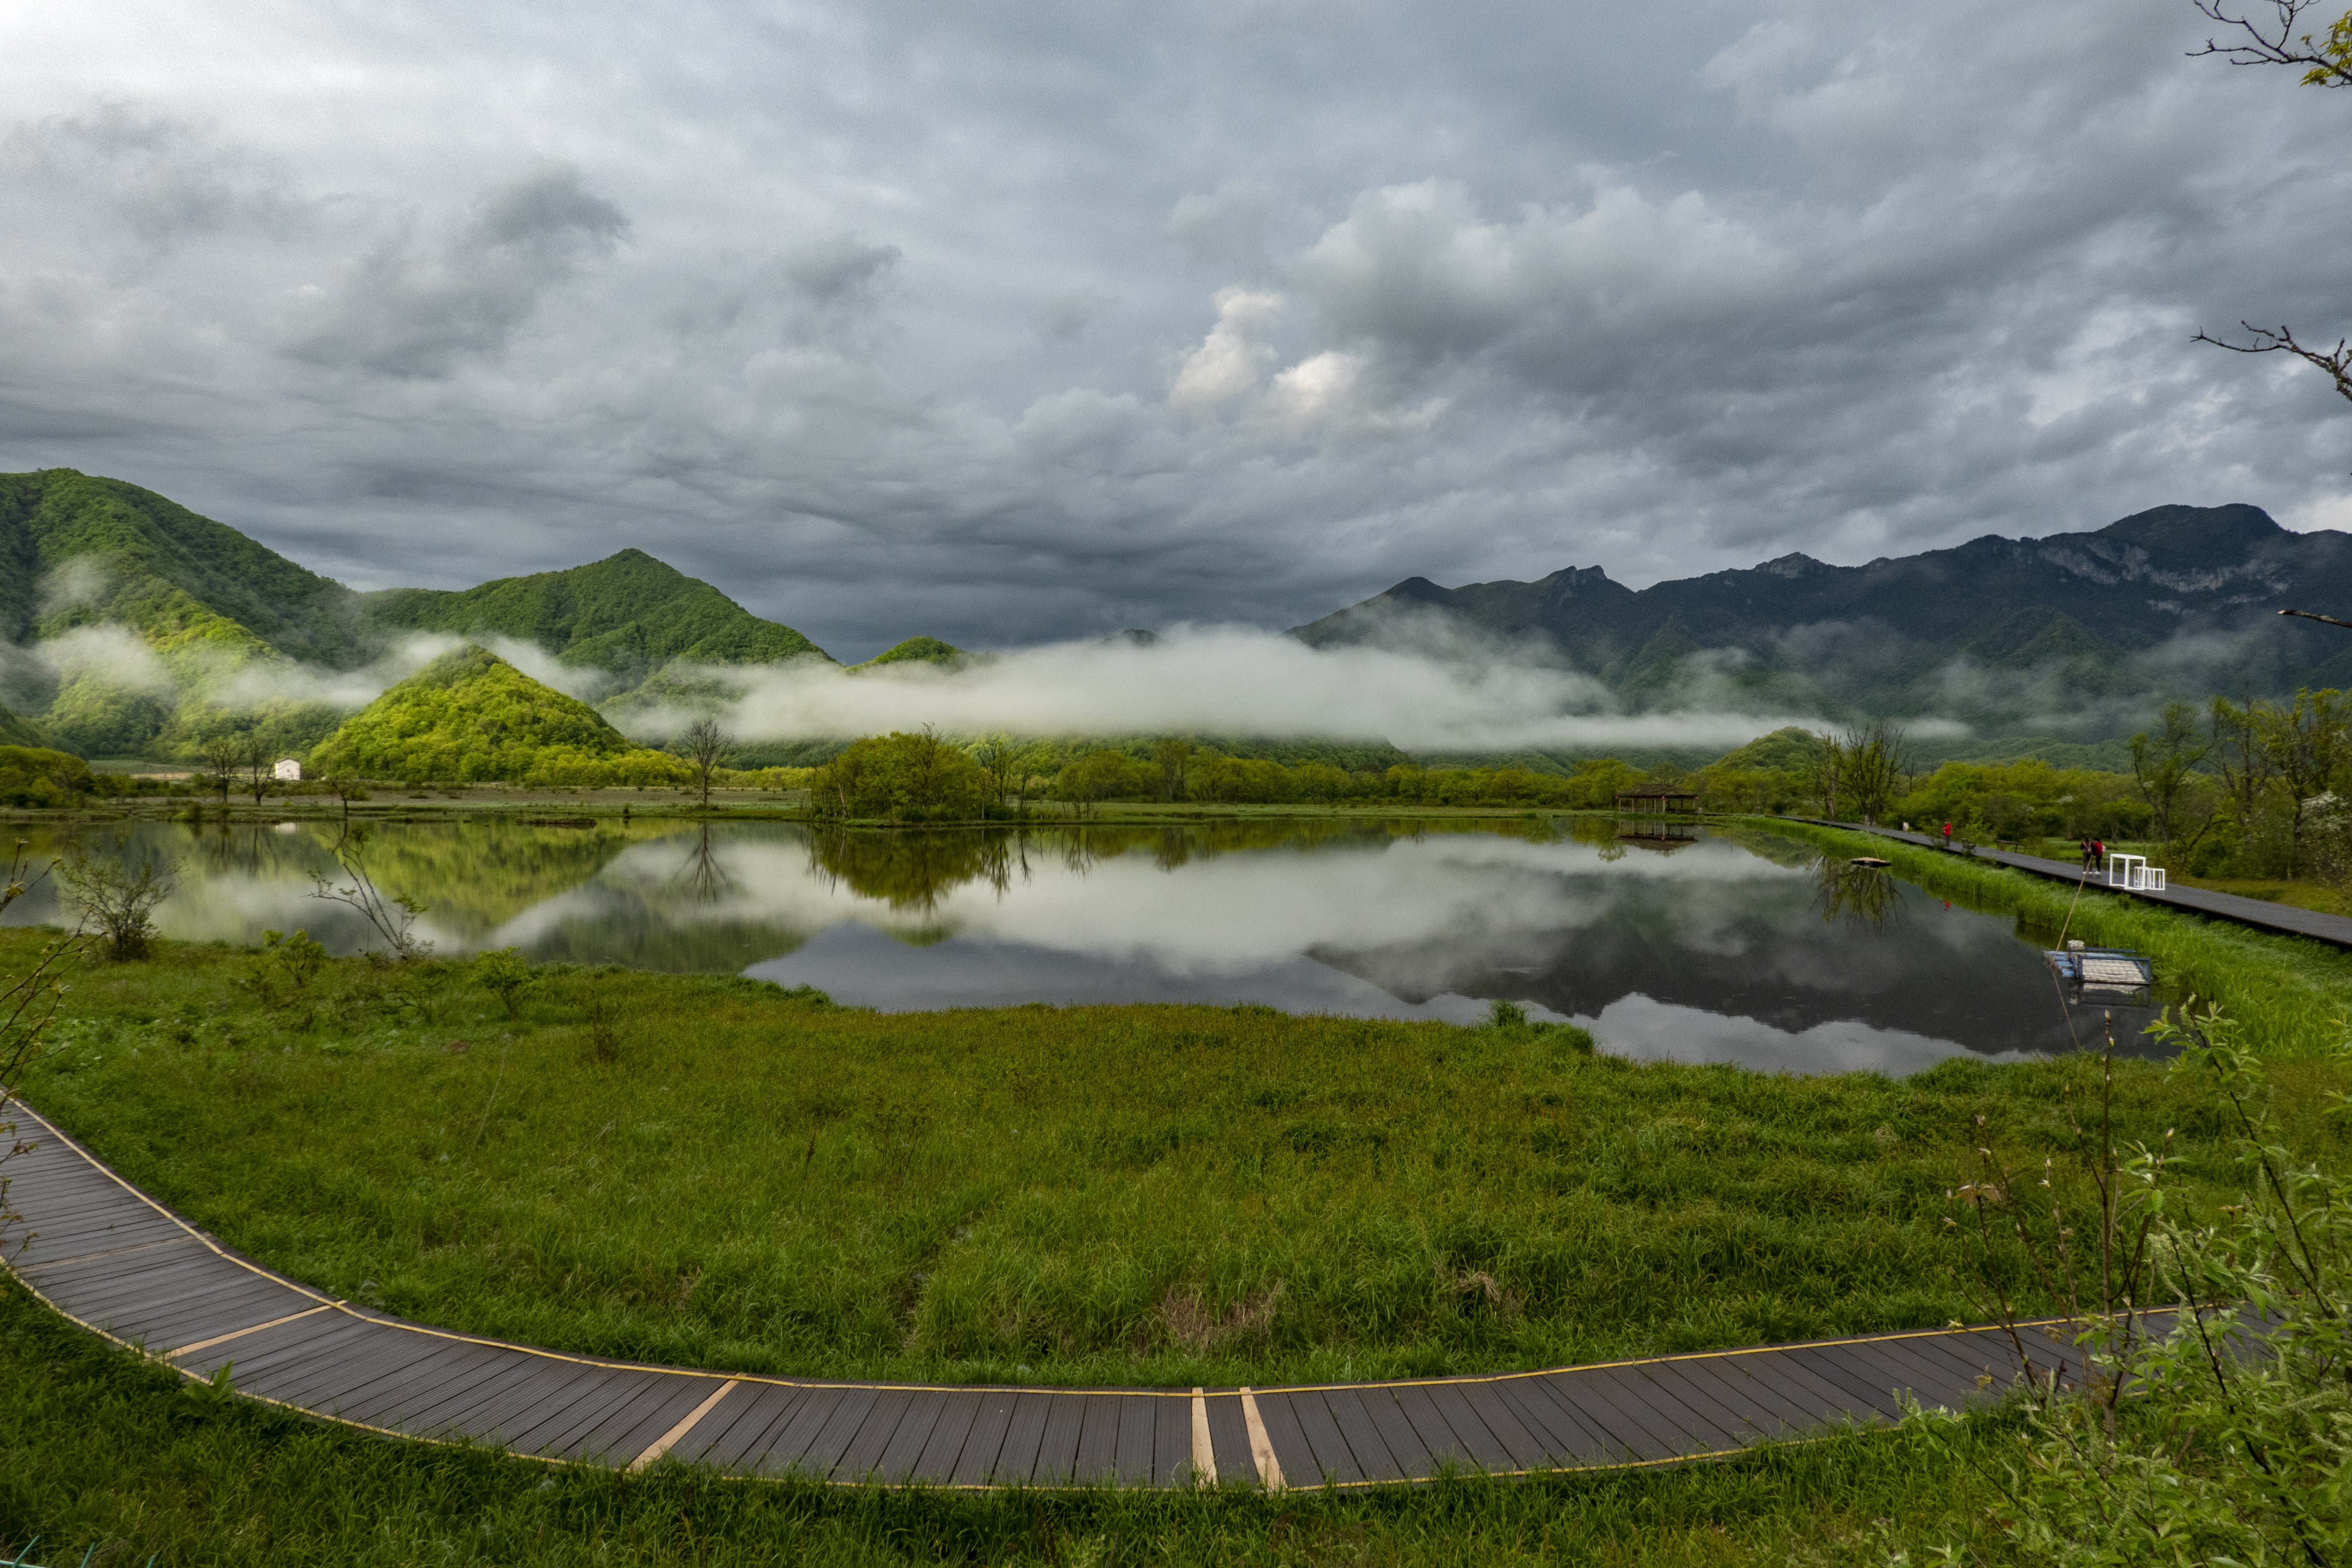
(745, 1179)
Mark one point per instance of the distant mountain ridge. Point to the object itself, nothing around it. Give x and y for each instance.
(2176, 600)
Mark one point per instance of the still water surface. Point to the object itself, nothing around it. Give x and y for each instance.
(1735, 946)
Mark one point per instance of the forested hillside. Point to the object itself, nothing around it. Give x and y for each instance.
(628, 614)
(470, 715)
(77, 551)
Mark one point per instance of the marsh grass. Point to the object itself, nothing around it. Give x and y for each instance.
(2290, 993)
(762, 1182)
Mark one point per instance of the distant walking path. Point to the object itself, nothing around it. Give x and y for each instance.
(2284, 919)
(112, 1259)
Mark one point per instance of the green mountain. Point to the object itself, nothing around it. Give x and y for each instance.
(15, 732)
(628, 614)
(919, 650)
(77, 551)
(471, 715)
(1785, 747)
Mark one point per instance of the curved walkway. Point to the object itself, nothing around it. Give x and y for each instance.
(105, 1255)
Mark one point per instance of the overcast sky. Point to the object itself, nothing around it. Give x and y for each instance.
(1010, 322)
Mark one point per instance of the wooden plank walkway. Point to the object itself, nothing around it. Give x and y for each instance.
(2284, 919)
(105, 1256)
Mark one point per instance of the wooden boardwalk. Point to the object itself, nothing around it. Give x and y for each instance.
(2284, 919)
(115, 1261)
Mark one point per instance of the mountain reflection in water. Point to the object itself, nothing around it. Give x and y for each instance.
(1711, 946)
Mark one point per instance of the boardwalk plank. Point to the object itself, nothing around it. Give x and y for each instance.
(1131, 1447)
(936, 1462)
(1476, 1446)
(1017, 1459)
(1098, 1459)
(1229, 1440)
(1353, 1413)
(1748, 1408)
(1057, 1447)
(1291, 1449)
(788, 1448)
(1408, 1450)
(1172, 1442)
(338, 1381)
(202, 1315)
(1568, 1439)
(601, 1393)
(1855, 1369)
(861, 1449)
(257, 1354)
(738, 1426)
(1334, 1456)
(924, 1415)
(991, 1421)
(1632, 1433)
(1808, 1388)
(455, 1405)
(649, 1419)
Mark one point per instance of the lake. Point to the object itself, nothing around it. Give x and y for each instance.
(1688, 944)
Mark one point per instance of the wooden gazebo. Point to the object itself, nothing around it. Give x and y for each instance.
(1658, 802)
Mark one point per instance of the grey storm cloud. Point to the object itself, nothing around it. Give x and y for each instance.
(1024, 325)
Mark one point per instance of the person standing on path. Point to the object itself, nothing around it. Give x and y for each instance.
(1947, 835)
(2098, 854)
(2085, 848)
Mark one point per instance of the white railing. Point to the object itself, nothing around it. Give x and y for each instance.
(2133, 874)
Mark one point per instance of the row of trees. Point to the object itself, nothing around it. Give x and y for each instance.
(924, 777)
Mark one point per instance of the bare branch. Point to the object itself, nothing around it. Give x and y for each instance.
(2337, 364)
(2326, 60)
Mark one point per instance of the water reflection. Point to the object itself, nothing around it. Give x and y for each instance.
(1696, 945)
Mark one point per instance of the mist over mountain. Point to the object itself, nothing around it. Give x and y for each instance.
(130, 626)
(2073, 635)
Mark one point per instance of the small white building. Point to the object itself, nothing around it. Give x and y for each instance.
(288, 771)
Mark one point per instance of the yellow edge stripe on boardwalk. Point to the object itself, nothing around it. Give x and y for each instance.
(1261, 1446)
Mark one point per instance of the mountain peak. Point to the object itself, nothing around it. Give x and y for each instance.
(2200, 531)
(1794, 565)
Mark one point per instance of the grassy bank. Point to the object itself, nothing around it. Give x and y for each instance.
(712, 1172)
(105, 1452)
(2293, 994)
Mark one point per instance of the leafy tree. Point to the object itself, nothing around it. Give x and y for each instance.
(118, 893)
(1173, 754)
(503, 971)
(2163, 765)
(915, 777)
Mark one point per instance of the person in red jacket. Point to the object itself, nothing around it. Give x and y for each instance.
(1948, 835)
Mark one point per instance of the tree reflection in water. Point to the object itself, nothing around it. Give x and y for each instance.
(1861, 897)
(703, 875)
(915, 870)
